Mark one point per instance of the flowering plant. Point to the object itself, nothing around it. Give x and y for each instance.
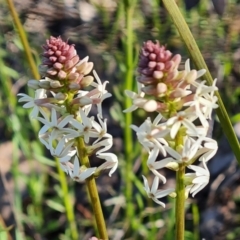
(177, 137)
(63, 101)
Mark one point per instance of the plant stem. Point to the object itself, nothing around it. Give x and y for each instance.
(197, 57)
(93, 192)
(129, 9)
(23, 38)
(67, 202)
(180, 203)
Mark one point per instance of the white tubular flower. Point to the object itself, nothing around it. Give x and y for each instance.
(80, 174)
(136, 97)
(189, 151)
(101, 129)
(106, 143)
(84, 128)
(86, 108)
(199, 179)
(182, 118)
(102, 92)
(154, 166)
(69, 156)
(208, 150)
(154, 193)
(111, 162)
(150, 134)
(204, 101)
(63, 147)
(54, 122)
(211, 101)
(30, 102)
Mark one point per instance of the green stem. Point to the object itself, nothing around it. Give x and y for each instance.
(197, 57)
(93, 192)
(129, 9)
(23, 38)
(180, 203)
(67, 202)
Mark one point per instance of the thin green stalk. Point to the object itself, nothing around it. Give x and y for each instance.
(197, 57)
(67, 201)
(23, 38)
(195, 213)
(93, 192)
(180, 203)
(128, 139)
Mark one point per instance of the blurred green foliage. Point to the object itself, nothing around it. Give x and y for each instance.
(39, 209)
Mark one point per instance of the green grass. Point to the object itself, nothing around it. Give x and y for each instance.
(46, 206)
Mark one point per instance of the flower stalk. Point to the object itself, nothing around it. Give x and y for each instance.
(93, 192)
(180, 203)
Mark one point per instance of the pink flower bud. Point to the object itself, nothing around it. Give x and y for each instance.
(156, 62)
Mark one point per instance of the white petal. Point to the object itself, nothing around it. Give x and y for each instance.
(173, 153)
(130, 109)
(153, 156)
(174, 129)
(65, 121)
(86, 174)
(54, 117)
(158, 175)
(76, 167)
(146, 186)
(198, 169)
(187, 65)
(159, 202)
(155, 185)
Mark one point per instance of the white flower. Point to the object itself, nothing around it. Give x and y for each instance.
(62, 149)
(54, 122)
(68, 156)
(208, 150)
(154, 193)
(204, 101)
(30, 102)
(211, 101)
(189, 151)
(101, 129)
(138, 98)
(86, 108)
(111, 162)
(151, 134)
(79, 174)
(154, 166)
(84, 128)
(102, 92)
(182, 118)
(106, 144)
(200, 178)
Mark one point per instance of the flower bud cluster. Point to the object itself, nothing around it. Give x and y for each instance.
(177, 137)
(63, 104)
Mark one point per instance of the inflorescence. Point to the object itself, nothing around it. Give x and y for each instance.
(178, 135)
(62, 103)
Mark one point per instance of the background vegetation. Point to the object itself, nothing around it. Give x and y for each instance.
(35, 201)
